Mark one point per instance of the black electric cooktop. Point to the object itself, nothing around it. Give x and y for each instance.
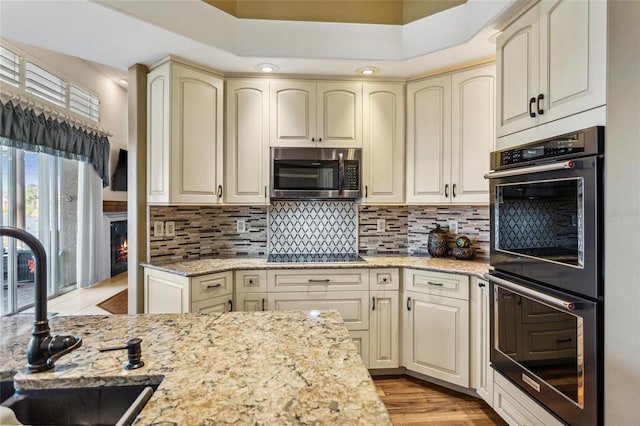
(314, 258)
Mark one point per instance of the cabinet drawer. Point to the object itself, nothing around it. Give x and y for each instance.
(384, 279)
(437, 283)
(251, 281)
(517, 408)
(220, 304)
(207, 286)
(353, 306)
(318, 280)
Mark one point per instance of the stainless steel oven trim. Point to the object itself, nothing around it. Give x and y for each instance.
(496, 239)
(553, 303)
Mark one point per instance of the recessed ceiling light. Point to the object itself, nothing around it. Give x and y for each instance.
(267, 67)
(367, 70)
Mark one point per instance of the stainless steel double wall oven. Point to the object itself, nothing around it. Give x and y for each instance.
(547, 278)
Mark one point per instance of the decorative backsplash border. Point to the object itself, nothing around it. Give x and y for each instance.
(303, 227)
(310, 227)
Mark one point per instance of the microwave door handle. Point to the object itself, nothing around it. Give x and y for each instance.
(524, 291)
(533, 169)
(340, 173)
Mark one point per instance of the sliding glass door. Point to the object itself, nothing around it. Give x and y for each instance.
(39, 194)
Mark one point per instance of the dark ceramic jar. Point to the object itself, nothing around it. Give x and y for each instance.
(437, 243)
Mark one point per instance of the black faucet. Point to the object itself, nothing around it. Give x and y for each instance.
(43, 349)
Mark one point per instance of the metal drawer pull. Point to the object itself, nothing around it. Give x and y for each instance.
(564, 340)
(208, 286)
(326, 280)
(263, 304)
(436, 284)
(373, 303)
(230, 305)
(408, 303)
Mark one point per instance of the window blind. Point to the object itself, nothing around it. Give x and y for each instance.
(9, 67)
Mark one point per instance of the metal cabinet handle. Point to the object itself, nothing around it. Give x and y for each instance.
(481, 285)
(453, 190)
(230, 305)
(408, 303)
(326, 280)
(219, 191)
(366, 191)
(540, 98)
(532, 113)
(263, 304)
(313, 139)
(265, 191)
(436, 284)
(373, 303)
(384, 280)
(319, 139)
(208, 286)
(446, 191)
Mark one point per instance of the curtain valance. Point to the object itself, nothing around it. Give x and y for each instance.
(24, 129)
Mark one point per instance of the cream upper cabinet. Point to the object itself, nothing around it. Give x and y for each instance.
(428, 140)
(247, 142)
(450, 133)
(472, 133)
(551, 65)
(383, 143)
(310, 114)
(184, 146)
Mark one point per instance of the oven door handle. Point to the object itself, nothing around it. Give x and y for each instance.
(533, 169)
(554, 301)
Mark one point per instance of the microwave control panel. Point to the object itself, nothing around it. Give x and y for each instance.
(351, 175)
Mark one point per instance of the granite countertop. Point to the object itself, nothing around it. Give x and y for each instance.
(239, 367)
(210, 266)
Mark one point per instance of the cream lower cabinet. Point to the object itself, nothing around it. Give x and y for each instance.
(344, 290)
(481, 370)
(436, 325)
(517, 408)
(165, 292)
(384, 324)
(251, 290)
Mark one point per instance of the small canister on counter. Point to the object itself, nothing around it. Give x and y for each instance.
(437, 245)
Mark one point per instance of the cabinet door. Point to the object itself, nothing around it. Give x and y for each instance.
(361, 340)
(218, 304)
(482, 375)
(165, 293)
(339, 120)
(429, 140)
(573, 40)
(352, 305)
(292, 113)
(196, 136)
(158, 95)
(517, 58)
(383, 331)
(472, 133)
(437, 337)
(247, 142)
(251, 302)
(383, 153)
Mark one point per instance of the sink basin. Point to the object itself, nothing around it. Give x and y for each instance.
(6, 389)
(107, 405)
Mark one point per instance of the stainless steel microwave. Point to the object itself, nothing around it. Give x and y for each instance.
(315, 173)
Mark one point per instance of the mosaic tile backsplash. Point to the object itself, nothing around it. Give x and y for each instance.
(473, 222)
(310, 227)
(313, 227)
(209, 231)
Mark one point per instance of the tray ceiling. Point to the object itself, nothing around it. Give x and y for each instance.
(390, 12)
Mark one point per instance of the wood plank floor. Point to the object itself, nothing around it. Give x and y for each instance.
(412, 401)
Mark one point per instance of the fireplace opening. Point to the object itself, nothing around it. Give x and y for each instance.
(119, 248)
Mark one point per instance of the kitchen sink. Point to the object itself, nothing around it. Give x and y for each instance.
(6, 389)
(107, 405)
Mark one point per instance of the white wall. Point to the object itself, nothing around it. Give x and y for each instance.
(103, 81)
(622, 217)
